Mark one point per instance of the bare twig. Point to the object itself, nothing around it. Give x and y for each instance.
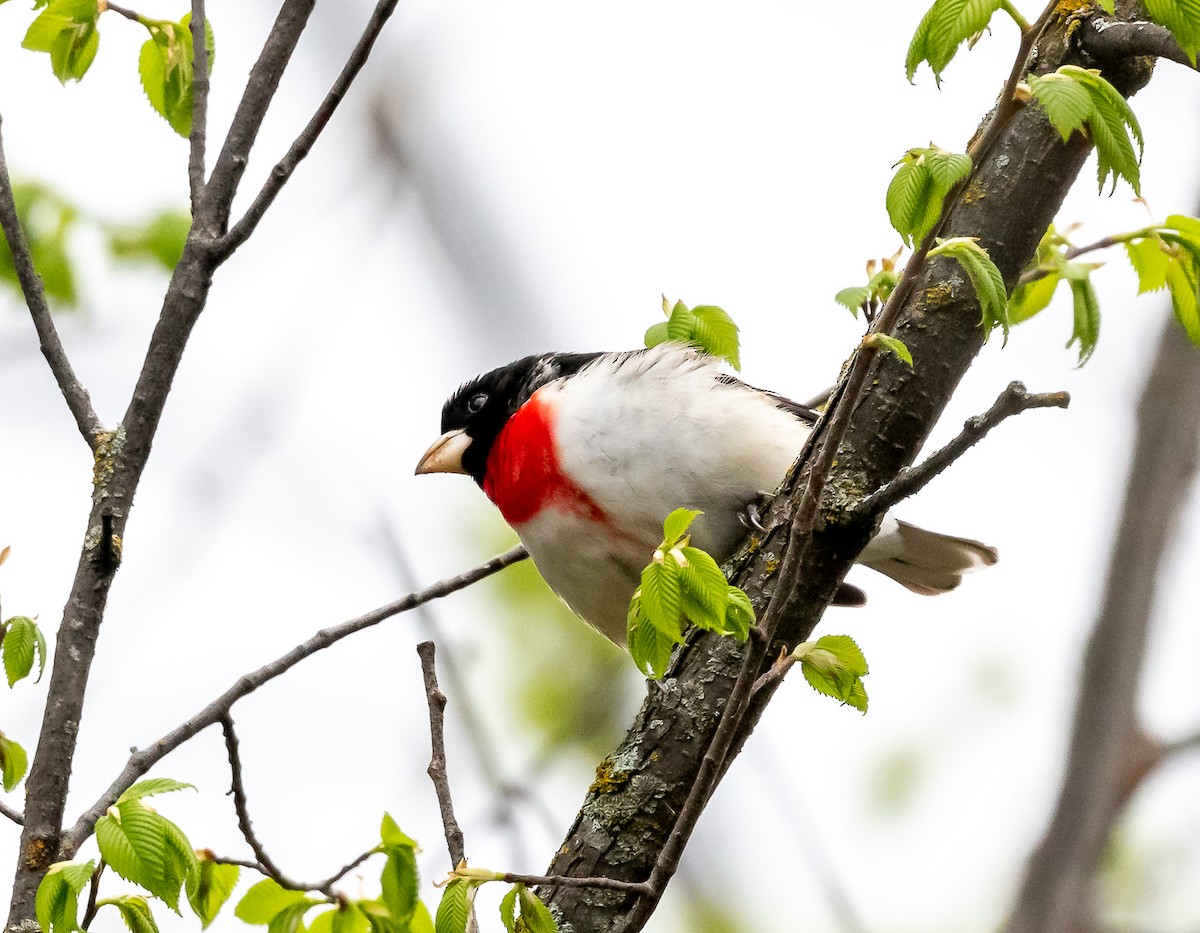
(128, 14)
(1012, 401)
(198, 138)
(89, 913)
(437, 762)
(141, 761)
(10, 813)
(1108, 40)
(77, 398)
(304, 142)
(242, 806)
(567, 881)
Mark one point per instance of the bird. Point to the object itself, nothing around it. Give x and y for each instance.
(585, 454)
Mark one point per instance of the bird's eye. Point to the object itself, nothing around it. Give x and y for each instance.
(476, 402)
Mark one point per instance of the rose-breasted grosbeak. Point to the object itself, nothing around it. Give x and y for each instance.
(585, 454)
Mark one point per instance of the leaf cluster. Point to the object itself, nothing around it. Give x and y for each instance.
(944, 27)
(681, 585)
(521, 910)
(918, 190)
(67, 31)
(705, 327)
(835, 666)
(1075, 99)
(882, 277)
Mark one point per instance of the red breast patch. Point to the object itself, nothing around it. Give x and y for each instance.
(523, 474)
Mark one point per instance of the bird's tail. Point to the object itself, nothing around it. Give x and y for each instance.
(924, 561)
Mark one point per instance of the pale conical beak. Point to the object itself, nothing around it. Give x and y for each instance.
(445, 456)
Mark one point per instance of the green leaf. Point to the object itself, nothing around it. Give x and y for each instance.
(160, 239)
(1087, 316)
(345, 918)
(166, 64)
(146, 848)
(739, 614)
(656, 334)
(57, 900)
(985, 279)
(1066, 103)
(649, 647)
(266, 901)
(210, 887)
(1184, 284)
(946, 25)
(834, 665)
(714, 332)
(392, 836)
(66, 29)
(23, 641)
(704, 591)
(399, 881)
(454, 909)
(508, 910)
(152, 786)
(13, 762)
(889, 344)
(661, 596)
(918, 190)
(676, 524)
(1027, 300)
(47, 220)
(135, 911)
(853, 298)
(680, 323)
(536, 915)
(1182, 17)
(1150, 262)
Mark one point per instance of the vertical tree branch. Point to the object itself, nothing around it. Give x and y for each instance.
(197, 140)
(77, 398)
(437, 761)
(1106, 742)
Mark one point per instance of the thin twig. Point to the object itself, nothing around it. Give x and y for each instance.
(1012, 401)
(1180, 746)
(10, 813)
(89, 913)
(128, 14)
(567, 881)
(1105, 39)
(1040, 272)
(304, 142)
(141, 761)
(437, 762)
(242, 807)
(198, 138)
(77, 398)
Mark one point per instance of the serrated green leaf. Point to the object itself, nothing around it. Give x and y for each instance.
(1150, 263)
(454, 908)
(166, 64)
(1182, 18)
(1066, 103)
(714, 332)
(946, 25)
(536, 915)
(908, 197)
(676, 524)
(893, 345)
(152, 786)
(210, 887)
(661, 596)
(13, 762)
(680, 323)
(267, 900)
(508, 910)
(985, 279)
(1086, 317)
(853, 298)
(21, 644)
(948, 168)
(66, 29)
(704, 591)
(135, 911)
(739, 614)
(1028, 300)
(648, 646)
(846, 650)
(146, 848)
(57, 899)
(1184, 285)
(834, 666)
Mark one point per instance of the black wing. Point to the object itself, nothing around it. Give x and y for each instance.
(802, 412)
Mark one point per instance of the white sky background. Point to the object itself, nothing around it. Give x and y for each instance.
(735, 155)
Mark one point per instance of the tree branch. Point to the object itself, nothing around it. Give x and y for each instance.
(77, 398)
(1012, 401)
(198, 138)
(1107, 744)
(141, 761)
(1022, 170)
(437, 762)
(304, 142)
(1109, 40)
(10, 813)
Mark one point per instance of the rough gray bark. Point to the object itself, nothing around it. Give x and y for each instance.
(632, 806)
(1109, 754)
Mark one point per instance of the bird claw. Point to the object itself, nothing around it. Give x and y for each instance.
(750, 516)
